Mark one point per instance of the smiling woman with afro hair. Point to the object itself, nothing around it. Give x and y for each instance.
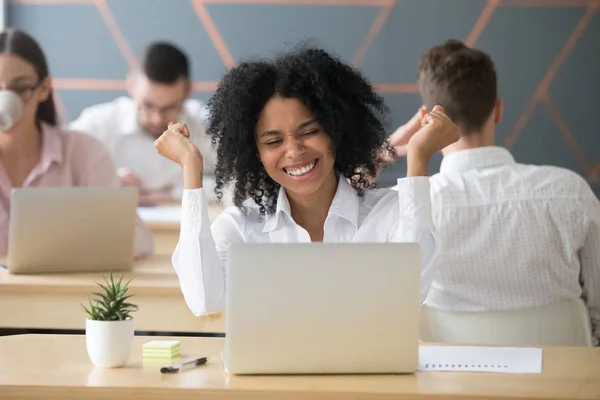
(299, 135)
(341, 100)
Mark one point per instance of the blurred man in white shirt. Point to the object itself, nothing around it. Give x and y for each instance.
(511, 235)
(128, 126)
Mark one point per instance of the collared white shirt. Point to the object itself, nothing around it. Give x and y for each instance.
(513, 235)
(115, 124)
(381, 215)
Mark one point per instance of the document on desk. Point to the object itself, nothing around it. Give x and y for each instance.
(480, 359)
(160, 214)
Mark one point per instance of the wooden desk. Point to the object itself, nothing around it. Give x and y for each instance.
(52, 301)
(166, 232)
(50, 366)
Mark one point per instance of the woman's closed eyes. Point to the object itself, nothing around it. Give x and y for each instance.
(276, 142)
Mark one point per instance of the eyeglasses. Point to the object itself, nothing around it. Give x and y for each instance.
(24, 91)
(170, 109)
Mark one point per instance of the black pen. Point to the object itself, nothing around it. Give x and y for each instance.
(177, 367)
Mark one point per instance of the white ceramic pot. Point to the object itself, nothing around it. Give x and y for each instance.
(109, 342)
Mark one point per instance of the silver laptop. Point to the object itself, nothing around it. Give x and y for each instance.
(321, 308)
(71, 229)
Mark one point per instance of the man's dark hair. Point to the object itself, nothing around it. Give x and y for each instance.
(462, 80)
(165, 63)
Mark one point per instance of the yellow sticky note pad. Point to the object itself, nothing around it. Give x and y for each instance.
(161, 349)
(162, 344)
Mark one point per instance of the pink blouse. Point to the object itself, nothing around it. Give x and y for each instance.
(69, 159)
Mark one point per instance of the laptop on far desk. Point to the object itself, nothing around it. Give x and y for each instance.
(322, 308)
(71, 229)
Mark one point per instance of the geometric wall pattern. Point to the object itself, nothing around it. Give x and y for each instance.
(547, 53)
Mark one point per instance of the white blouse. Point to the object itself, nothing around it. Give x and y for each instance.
(381, 215)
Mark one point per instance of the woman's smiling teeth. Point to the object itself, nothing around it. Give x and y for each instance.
(305, 169)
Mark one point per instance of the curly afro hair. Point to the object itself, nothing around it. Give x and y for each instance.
(338, 96)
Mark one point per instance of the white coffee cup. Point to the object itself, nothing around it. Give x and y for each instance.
(11, 108)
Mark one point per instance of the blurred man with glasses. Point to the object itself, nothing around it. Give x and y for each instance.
(159, 93)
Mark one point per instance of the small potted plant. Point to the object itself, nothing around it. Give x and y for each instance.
(109, 327)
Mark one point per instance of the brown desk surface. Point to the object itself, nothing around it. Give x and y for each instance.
(154, 275)
(34, 366)
(52, 301)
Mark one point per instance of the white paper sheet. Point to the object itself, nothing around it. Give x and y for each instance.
(482, 359)
(160, 214)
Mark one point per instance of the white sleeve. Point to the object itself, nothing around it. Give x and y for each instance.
(208, 184)
(415, 225)
(590, 266)
(201, 253)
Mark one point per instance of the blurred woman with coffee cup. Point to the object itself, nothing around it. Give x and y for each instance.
(34, 151)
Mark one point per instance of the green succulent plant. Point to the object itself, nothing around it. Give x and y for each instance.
(110, 304)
